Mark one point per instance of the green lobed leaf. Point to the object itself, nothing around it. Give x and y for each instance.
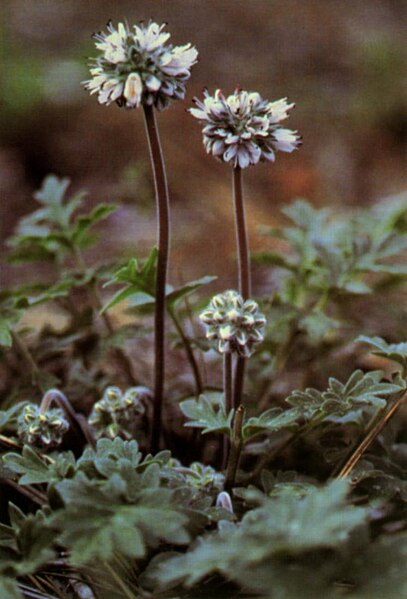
(27, 544)
(136, 278)
(140, 288)
(380, 571)
(392, 351)
(177, 294)
(52, 231)
(272, 420)
(9, 417)
(84, 221)
(208, 412)
(124, 515)
(361, 391)
(36, 469)
(281, 528)
(9, 588)
(53, 190)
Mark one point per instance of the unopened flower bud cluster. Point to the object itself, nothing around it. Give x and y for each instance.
(138, 66)
(116, 411)
(236, 325)
(42, 429)
(198, 475)
(243, 128)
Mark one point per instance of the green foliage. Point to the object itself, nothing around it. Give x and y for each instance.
(27, 543)
(52, 230)
(361, 393)
(125, 513)
(9, 588)
(8, 418)
(333, 254)
(111, 500)
(267, 538)
(36, 468)
(326, 261)
(198, 475)
(15, 302)
(380, 571)
(208, 412)
(118, 502)
(382, 478)
(10, 314)
(392, 351)
(341, 402)
(272, 420)
(285, 483)
(139, 281)
(133, 524)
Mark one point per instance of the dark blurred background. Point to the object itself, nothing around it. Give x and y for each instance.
(342, 62)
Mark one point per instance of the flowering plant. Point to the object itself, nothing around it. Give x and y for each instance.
(113, 494)
(137, 66)
(243, 128)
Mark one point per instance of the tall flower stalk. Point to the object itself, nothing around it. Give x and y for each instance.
(245, 279)
(163, 238)
(243, 129)
(236, 326)
(138, 67)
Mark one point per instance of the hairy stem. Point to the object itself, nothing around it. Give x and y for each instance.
(163, 231)
(227, 381)
(370, 437)
(228, 393)
(245, 283)
(241, 235)
(235, 448)
(188, 351)
(238, 381)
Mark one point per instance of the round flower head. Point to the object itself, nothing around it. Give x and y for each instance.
(137, 66)
(236, 325)
(116, 411)
(42, 429)
(243, 129)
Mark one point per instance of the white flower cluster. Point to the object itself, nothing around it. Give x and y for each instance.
(137, 66)
(236, 325)
(243, 129)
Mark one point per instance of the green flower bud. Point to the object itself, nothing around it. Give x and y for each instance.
(42, 429)
(116, 412)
